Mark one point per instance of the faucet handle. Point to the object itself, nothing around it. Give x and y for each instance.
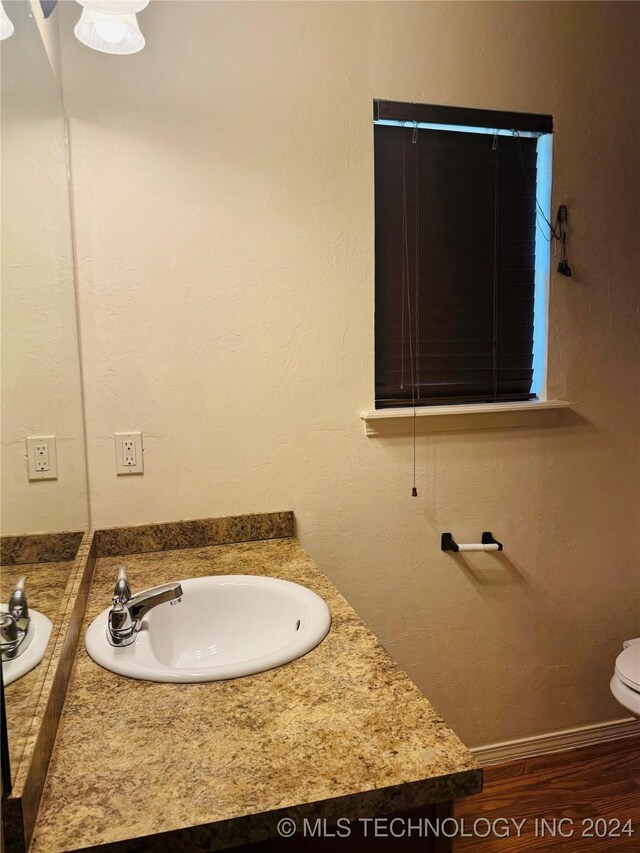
(18, 606)
(122, 590)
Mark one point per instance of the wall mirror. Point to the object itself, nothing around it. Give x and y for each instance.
(43, 477)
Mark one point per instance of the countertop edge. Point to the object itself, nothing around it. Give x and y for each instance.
(263, 826)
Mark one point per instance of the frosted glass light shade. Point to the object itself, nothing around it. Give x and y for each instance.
(116, 34)
(115, 7)
(6, 27)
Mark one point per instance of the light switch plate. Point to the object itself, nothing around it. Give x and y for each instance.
(42, 457)
(129, 453)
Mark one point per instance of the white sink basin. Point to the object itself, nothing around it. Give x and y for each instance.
(226, 626)
(33, 647)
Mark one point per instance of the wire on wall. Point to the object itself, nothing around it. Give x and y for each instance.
(557, 230)
(560, 234)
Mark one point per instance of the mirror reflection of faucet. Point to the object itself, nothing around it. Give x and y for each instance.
(24, 635)
(14, 624)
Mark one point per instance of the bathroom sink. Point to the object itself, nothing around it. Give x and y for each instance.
(225, 626)
(33, 647)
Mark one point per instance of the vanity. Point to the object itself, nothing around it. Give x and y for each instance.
(341, 733)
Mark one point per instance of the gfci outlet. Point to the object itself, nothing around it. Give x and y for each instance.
(129, 458)
(42, 459)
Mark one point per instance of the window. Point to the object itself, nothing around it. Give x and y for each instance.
(461, 254)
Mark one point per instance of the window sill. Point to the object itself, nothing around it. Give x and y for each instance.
(379, 422)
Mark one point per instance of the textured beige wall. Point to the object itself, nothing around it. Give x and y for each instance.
(41, 391)
(224, 192)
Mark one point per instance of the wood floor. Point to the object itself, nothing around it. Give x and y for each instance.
(599, 784)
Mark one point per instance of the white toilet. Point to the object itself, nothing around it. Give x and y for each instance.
(625, 683)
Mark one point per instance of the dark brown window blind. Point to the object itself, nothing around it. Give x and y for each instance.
(455, 218)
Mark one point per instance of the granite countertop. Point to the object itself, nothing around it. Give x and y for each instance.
(339, 732)
(45, 590)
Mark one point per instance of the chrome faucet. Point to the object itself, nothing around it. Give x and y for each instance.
(128, 611)
(14, 624)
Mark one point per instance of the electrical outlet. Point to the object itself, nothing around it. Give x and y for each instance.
(42, 457)
(129, 453)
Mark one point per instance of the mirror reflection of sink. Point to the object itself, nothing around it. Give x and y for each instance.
(33, 647)
(225, 626)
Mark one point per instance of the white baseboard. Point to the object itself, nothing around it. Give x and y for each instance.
(511, 750)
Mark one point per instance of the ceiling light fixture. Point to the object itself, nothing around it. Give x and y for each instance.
(111, 26)
(6, 27)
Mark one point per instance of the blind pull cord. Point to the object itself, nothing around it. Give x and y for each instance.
(416, 138)
(496, 246)
(405, 235)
